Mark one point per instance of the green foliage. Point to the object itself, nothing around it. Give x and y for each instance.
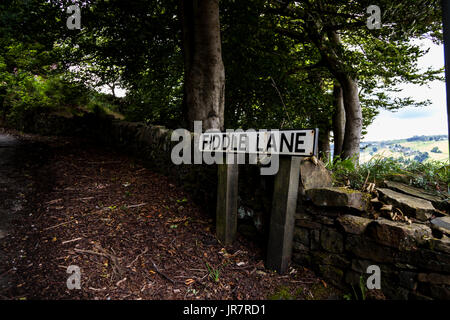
(214, 274)
(275, 71)
(282, 293)
(184, 200)
(267, 85)
(379, 60)
(133, 45)
(29, 94)
(430, 174)
(361, 294)
(427, 175)
(99, 103)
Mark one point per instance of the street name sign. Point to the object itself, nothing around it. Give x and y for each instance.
(300, 143)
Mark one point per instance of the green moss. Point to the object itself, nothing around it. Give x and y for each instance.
(282, 293)
(346, 190)
(299, 292)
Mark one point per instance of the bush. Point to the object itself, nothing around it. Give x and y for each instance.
(28, 95)
(436, 150)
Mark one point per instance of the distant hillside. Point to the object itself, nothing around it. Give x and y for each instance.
(418, 148)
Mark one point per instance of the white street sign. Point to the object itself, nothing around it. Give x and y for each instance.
(290, 142)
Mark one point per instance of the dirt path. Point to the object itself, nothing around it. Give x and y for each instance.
(8, 146)
(8, 194)
(19, 158)
(133, 233)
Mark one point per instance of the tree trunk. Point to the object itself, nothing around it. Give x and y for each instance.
(353, 115)
(324, 144)
(204, 74)
(113, 90)
(338, 121)
(350, 93)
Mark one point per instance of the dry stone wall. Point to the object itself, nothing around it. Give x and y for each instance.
(338, 243)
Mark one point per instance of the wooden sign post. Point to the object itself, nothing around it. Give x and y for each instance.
(282, 218)
(289, 147)
(226, 210)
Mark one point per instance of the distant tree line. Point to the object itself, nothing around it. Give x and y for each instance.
(428, 138)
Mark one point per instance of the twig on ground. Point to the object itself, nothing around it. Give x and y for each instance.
(114, 260)
(58, 225)
(96, 289)
(73, 240)
(202, 270)
(136, 205)
(118, 283)
(54, 201)
(161, 273)
(81, 199)
(137, 257)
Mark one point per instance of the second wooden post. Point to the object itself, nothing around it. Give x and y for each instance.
(282, 218)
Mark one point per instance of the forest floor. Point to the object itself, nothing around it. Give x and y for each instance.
(133, 233)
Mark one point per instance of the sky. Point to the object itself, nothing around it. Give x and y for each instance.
(410, 121)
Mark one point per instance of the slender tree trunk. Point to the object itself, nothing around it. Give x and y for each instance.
(350, 93)
(324, 143)
(113, 90)
(338, 120)
(204, 74)
(353, 115)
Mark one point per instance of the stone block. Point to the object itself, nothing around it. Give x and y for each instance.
(442, 224)
(434, 278)
(442, 245)
(439, 292)
(431, 260)
(302, 235)
(338, 197)
(313, 175)
(337, 260)
(331, 240)
(315, 240)
(302, 258)
(414, 207)
(353, 224)
(398, 235)
(306, 221)
(299, 247)
(360, 265)
(365, 248)
(413, 191)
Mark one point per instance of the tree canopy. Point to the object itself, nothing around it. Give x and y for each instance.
(287, 64)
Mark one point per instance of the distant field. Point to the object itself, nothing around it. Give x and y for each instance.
(426, 146)
(422, 146)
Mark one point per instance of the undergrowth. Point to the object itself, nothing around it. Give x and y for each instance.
(430, 175)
